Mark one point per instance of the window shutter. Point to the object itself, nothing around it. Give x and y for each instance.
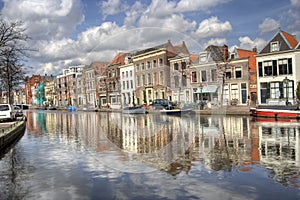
(268, 91)
(274, 67)
(290, 66)
(260, 71)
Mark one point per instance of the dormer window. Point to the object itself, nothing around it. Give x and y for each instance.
(203, 57)
(274, 46)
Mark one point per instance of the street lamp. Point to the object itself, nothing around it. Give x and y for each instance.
(201, 103)
(286, 82)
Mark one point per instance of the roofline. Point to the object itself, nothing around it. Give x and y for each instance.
(276, 52)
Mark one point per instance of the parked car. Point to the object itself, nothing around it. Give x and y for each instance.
(7, 112)
(159, 104)
(19, 111)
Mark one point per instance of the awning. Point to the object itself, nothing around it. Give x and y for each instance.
(207, 89)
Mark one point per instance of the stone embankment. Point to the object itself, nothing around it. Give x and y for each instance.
(226, 110)
(11, 131)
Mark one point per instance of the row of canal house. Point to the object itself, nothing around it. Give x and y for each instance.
(171, 72)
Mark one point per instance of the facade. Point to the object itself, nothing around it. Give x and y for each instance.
(31, 84)
(66, 86)
(152, 69)
(238, 79)
(180, 76)
(50, 94)
(127, 81)
(207, 74)
(19, 96)
(109, 83)
(89, 78)
(277, 69)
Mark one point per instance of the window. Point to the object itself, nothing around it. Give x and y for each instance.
(194, 77)
(131, 84)
(137, 67)
(126, 74)
(127, 84)
(175, 66)
(143, 66)
(123, 74)
(283, 66)
(183, 65)
(228, 73)
(184, 80)
(148, 65)
(268, 68)
(234, 91)
(203, 57)
(160, 62)
(161, 78)
(238, 72)
(226, 93)
(274, 46)
(143, 79)
(275, 90)
(130, 73)
(138, 81)
(149, 79)
(176, 80)
(203, 76)
(213, 75)
(154, 63)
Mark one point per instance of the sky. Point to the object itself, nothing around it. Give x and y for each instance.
(78, 32)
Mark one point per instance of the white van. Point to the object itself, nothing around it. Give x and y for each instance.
(7, 112)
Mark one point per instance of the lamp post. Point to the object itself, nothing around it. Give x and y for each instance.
(201, 103)
(286, 82)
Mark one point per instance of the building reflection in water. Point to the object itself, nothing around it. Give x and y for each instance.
(279, 149)
(175, 144)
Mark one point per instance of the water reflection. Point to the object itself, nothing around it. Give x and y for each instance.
(279, 149)
(176, 144)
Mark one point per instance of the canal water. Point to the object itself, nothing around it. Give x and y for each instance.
(87, 155)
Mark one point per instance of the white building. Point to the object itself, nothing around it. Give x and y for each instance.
(127, 80)
(277, 71)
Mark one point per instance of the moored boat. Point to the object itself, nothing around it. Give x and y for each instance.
(134, 110)
(178, 112)
(276, 111)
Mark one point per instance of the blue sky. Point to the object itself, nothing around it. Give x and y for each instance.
(72, 32)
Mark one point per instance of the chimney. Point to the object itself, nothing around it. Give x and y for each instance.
(254, 49)
(225, 52)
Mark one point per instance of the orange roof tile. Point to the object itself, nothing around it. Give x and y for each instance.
(291, 39)
(243, 53)
(120, 58)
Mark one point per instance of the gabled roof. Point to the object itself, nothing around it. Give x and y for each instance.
(182, 49)
(286, 42)
(119, 58)
(172, 50)
(243, 53)
(194, 58)
(216, 52)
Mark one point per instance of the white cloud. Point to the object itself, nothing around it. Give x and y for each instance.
(187, 5)
(212, 27)
(293, 19)
(247, 43)
(112, 7)
(295, 3)
(45, 19)
(216, 41)
(269, 25)
(134, 14)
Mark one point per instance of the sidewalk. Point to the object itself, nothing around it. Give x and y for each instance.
(227, 110)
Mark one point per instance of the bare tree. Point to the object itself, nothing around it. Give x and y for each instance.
(12, 52)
